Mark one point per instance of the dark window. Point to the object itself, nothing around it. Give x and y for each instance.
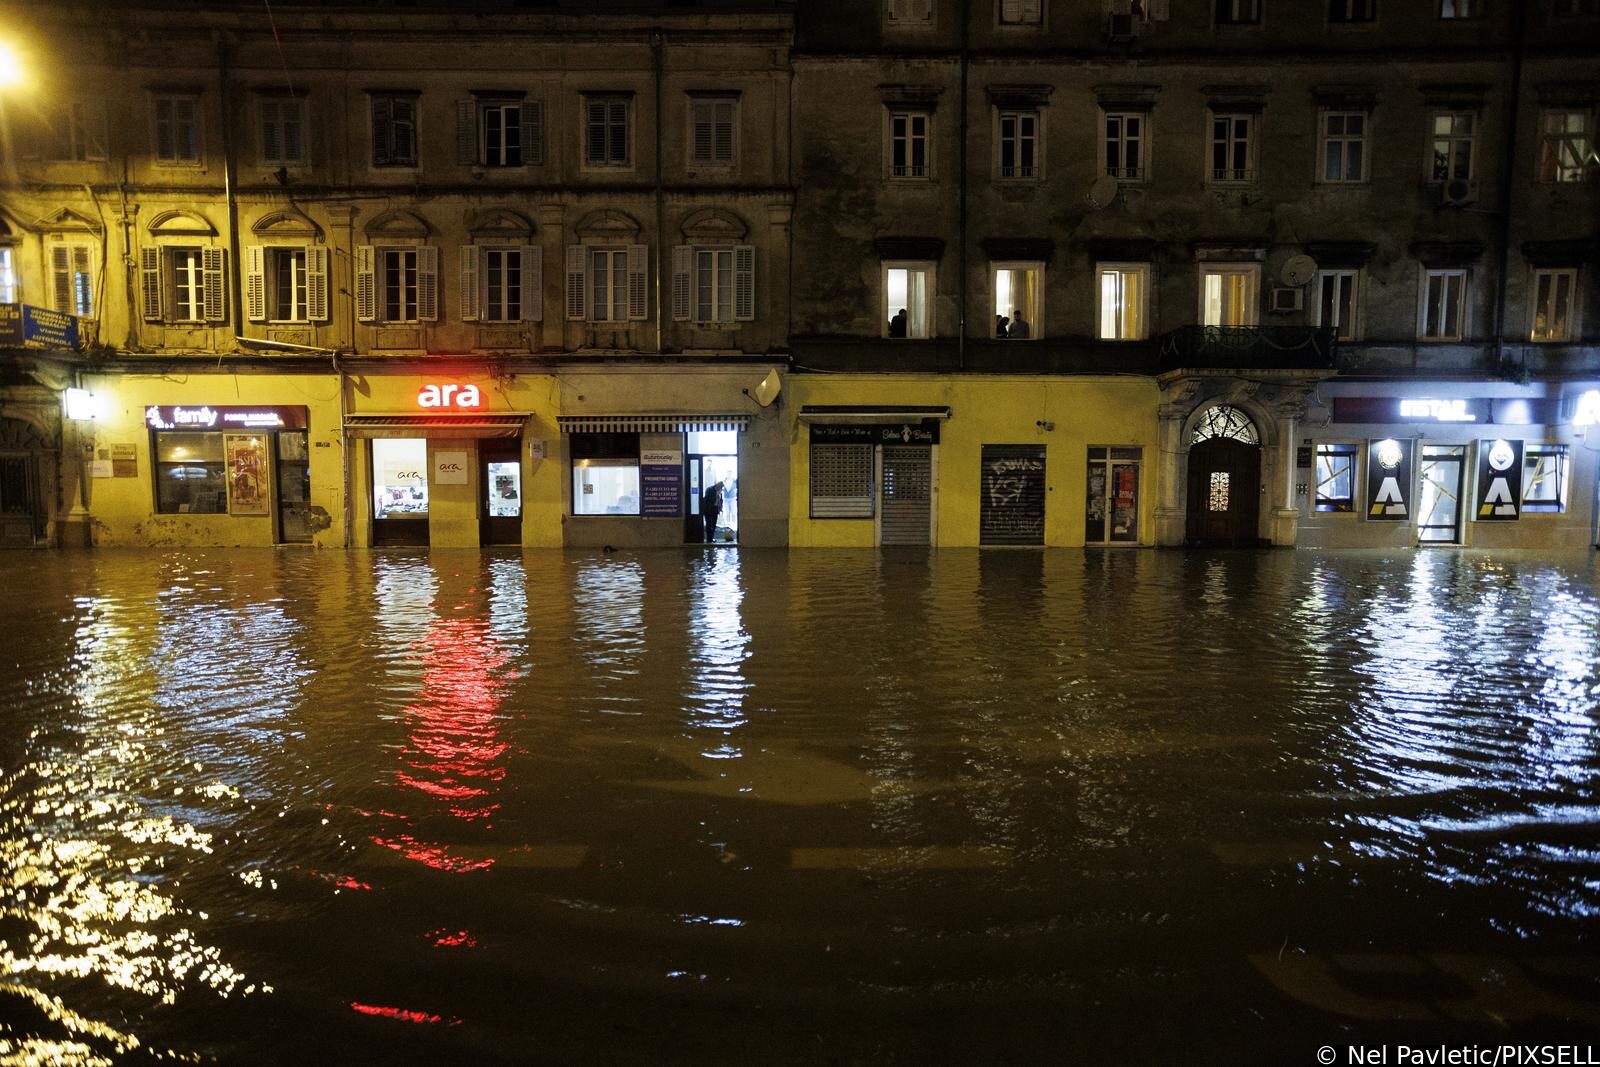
(190, 473)
(1336, 477)
(1238, 12)
(394, 130)
(1544, 477)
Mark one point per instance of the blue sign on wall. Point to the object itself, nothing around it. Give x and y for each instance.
(660, 483)
(10, 324)
(33, 327)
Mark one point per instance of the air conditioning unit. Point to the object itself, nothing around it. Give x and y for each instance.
(1284, 299)
(1458, 192)
(1122, 28)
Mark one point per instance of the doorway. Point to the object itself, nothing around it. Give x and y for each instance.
(711, 457)
(1111, 510)
(1439, 514)
(399, 491)
(1224, 501)
(907, 488)
(500, 495)
(294, 488)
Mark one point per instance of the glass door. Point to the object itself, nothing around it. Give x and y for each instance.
(294, 488)
(500, 519)
(1439, 515)
(1112, 508)
(712, 485)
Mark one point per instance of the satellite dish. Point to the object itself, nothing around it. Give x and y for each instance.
(767, 391)
(1298, 271)
(1101, 193)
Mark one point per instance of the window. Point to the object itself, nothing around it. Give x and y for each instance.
(283, 125)
(713, 124)
(1566, 147)
(841, 481)
(400, 478)
(1452, 145)
(606, 131)
(1544, 477)
(1021, 12)
(713, 285)
(608, 277)
(605, 473)
(1460, 9)
(1352, 10)
(72, 283)
(1019, 144)
(1336, 301)
(1336, 477)
(499, 130)
(1554, 304)
(502, 284)
(1125, 146)
(502, 135)
(75, 131)
(397, 284)
(191, 475)
(182, 284)
(908, 144)
(1344, 146)
(1018, 290)
(1444, 305)
(1124, 301)
(1238, 12)
(177, 121)
(904, 13)
(908, 299)
(1229, 294)
(1232, 154)
(607, 284)
(8, 278)
(1577, 7)
(286, 284)
(394, 129)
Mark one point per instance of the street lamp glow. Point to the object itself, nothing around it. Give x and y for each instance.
(10, 66)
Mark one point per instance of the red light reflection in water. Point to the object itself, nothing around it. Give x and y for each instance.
(443, 938)
(454, 753)
(402, 1014)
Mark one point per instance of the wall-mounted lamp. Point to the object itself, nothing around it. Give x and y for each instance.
(79, 404)
(1045, 425)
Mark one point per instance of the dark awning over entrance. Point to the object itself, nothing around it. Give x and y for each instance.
(872, 413)
(440, 426)
(651, 423)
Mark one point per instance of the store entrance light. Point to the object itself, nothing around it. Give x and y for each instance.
(79, 404)
(10, 66)
(1588, 413)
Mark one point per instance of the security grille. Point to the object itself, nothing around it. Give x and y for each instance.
(907, 494)
(1011, 510)
(841, 481)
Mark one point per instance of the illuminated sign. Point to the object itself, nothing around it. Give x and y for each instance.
(449, 396)
(1438, 410)
(206, 417)
(1388, 480)
(1499, 480)
(1588, 409)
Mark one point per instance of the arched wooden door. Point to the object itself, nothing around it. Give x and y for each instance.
(1224, 499)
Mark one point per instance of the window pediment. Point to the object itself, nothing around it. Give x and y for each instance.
(918, 97)
(501, 223)
(286, 225)
(69, 220)
(609, 225)
(180, 223)
(714, 226)
(398, 224)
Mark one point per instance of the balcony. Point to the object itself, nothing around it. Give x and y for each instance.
(1249, 348)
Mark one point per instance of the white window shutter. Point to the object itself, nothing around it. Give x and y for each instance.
(532, 283)
(149, 283)
(638, 282)
(469, 283)
(682, 282)
(577, 282)
(61, 269)
(211, 271)
(255, 283)
(744, 283)
(366, 284)
(467, 132)
(317, 283)
(1010, 10)
(428, 284)
(532, 132)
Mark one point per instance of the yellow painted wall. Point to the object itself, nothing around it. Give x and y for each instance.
(995, 410)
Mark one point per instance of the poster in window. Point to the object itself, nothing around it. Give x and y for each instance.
(247, 473)
(1389, 480)
(1499, 481)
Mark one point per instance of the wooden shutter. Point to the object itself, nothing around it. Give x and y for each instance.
(682, 282)
(149, 284)
(80, 265)
(704, 134)
(638, 270)
(722, 130)
(532, 132)
(744, 282)
(595, 151)
(211, 271)
(271, 131)
(317, 284)
(382, 130)
(1010, 10)
(366, 284)
(61, 271)
(532, 283)
(577, 282)
(467, 133)
(427, 284)
(469, 284)
(255, 283)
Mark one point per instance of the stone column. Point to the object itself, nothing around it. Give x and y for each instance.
(552, 239)
(1177, 400)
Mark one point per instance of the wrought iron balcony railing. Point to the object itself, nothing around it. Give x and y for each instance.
(1249, 347)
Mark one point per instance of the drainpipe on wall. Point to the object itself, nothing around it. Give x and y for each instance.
(961, 208)
(344, 459)
(656, 59)
(1507, 170)
(230, 179)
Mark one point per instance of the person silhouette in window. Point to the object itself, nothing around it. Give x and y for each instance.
(1019, 325)
(897, 325)
(1000, 326)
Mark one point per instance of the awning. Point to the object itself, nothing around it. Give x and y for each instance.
(872, 413)
(499, 424)
(651, 423)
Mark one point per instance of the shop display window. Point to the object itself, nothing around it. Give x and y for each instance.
(400, 478)
(190, 474)
(605, 473)
(1544, 477)
(1336, 473)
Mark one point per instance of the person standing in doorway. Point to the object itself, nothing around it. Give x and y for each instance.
(711, 509)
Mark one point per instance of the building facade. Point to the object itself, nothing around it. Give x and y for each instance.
(944, 272)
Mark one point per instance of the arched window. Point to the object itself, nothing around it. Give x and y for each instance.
(1228, 424)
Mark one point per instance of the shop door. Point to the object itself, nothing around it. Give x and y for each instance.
(21, 520)
(712, 456)
(1224, 493)
(1111, 511)
(400, 491)
(1439, 514)
(500, 498)
(907, 494)
(294, 488)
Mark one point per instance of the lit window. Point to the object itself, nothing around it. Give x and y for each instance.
(1238, 12)
(908, 299)
(1124, 295)
(908, 144)
(1229, 295)
(606, 139)
(394, 130)
(1336, 302)
(713, 123)
(1336, 465)
(1544, 477)
(1018, 295)
(904, 13)
(1125, 145)
(1444, 305)
(1553, 304)
(1217, 499)
(1452, 137)
(191, 476)
(1566, 148)
(8, 278)
(605, 473)
(177, 121)
(1460, 9)
(188, 285)
(283, 125)
(1232, 148)
(1019, 144)
(1344, 143)
(182, 284)
(1577, 7)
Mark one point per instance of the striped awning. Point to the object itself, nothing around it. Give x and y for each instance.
(496, 424)
(651, 423)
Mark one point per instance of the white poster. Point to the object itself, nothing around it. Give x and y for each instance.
(450, 468)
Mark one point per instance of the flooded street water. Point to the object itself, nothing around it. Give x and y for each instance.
(757, 806)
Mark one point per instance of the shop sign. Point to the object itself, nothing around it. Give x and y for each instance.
(449, 468)
(1499, 481)
(1389, 480)
(434, 395)
(1388, 409)
(36, 327)
(660, 482)
(246, 456)
(922, 432)
(206, 417)
(10, 325)
(400, 472)
(121, 461)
